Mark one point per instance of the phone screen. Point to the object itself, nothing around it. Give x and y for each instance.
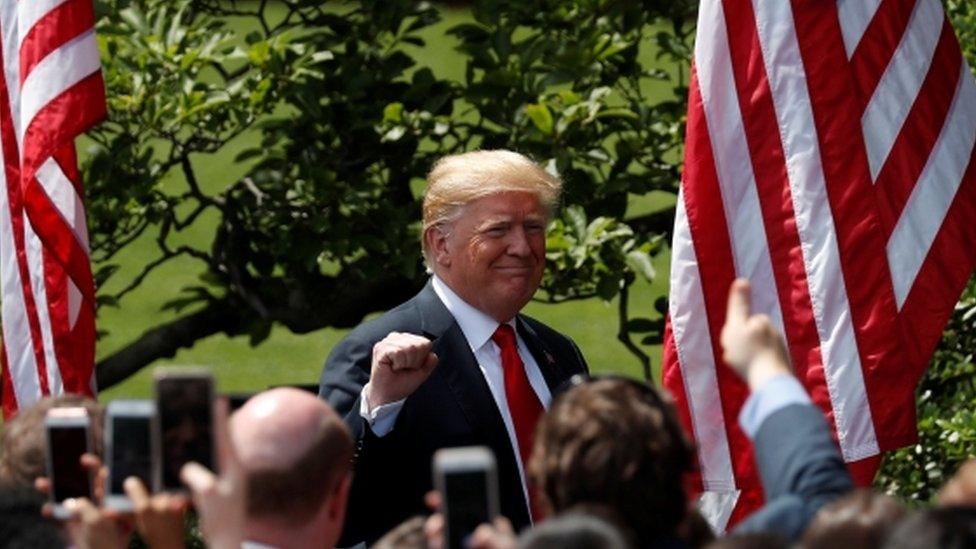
(131, 451)
(467, 504)
(69, 477)
(186, 425)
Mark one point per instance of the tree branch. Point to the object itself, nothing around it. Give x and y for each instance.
(623, 335)
(165, 340)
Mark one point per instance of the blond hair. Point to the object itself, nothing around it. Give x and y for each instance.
(460, 179)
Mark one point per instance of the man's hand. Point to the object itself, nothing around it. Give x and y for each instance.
(220, 500)
(401, 362)
(92, 528)
(158, 517)
(750, 343)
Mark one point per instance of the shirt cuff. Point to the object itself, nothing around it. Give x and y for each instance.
(775, 394)
(382, 418)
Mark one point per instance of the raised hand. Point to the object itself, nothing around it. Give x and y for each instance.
(401, 362)
(751, 345)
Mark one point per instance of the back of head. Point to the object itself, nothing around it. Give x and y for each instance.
(295, 450)
(574, 530)
(21, 523)
(22, 442)
(936, 528)
(759, 540)
(861, 519)
(615, 442)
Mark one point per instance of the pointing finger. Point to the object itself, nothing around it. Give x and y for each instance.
(738, 309)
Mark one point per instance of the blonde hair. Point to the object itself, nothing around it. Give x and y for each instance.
(460, 179)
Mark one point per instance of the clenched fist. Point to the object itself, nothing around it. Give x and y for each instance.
(401, 362)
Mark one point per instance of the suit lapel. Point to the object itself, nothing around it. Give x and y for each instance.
(544, 357)
(459, 368)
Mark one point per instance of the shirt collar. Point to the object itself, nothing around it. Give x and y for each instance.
(476, 326)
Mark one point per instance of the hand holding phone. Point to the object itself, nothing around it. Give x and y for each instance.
(467, 480)
(68, 438)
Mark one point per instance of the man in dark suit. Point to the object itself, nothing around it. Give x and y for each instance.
(799, 463)
(458, 364)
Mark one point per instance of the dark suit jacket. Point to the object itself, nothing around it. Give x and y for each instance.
(453, 407)
(801, 469)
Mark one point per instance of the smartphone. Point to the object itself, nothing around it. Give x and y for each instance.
(184, 403)
(467, 479)
(131, 449)
(68, 437)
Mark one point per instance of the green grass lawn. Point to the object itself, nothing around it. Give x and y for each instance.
(286, 358)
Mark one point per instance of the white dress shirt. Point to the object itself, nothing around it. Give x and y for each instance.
(477, 328)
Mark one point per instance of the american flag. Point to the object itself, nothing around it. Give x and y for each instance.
(51, 91)
(829, 160)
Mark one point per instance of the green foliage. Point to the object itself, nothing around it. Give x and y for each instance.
(946, 420)
(322, 226)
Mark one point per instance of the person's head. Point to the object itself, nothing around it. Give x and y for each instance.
(484, 222)
(21, 523)
(755, 540)
(861, 519)
(296, 453)
(23, 445)
(614, 442)
(935, 528)
(575, 530)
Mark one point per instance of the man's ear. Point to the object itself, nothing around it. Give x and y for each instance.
(436, 239)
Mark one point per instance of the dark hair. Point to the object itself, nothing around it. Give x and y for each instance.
(861, 519)
(574, 530)
(22, 441)
(936, 528)
(295, 492)
(21, 523)
(616, 442)
(757, 540)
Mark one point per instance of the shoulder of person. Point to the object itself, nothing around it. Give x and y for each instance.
(544, 332)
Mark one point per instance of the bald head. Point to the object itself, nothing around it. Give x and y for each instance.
(294, 448)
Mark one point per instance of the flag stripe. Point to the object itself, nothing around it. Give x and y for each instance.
(818, 235)
(63, 196)
(943, 275)
(855, 15)
(58, 27)
(29, 374)
(769, 166)
(694, 352)
(53, 91)
(705, 215)
(933, 194)
(56, 73)
(31, 11)
(900, 84)
(880, 40)
(919, 133)
(860, 240)
(740, 198)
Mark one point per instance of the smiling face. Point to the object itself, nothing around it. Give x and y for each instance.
(493, 255)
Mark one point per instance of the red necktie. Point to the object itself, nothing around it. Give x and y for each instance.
(523, 403)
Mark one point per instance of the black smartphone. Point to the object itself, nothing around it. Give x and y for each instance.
(68, 437)
(184, 402)
(132, 449)
(467, 479)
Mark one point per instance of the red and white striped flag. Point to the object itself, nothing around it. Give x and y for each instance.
(829, 160)
(51, 91)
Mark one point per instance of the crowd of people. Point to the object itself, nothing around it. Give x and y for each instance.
(582, 461)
